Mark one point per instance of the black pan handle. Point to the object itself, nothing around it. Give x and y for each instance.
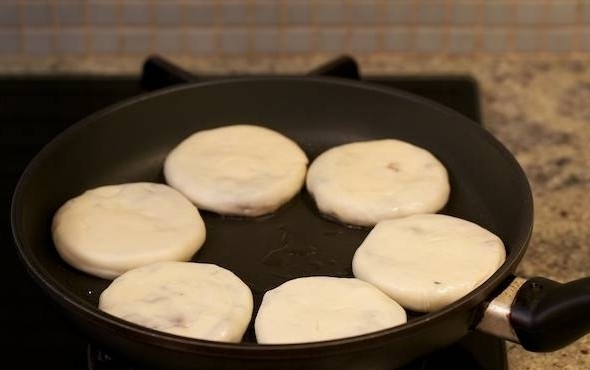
(540, 314)
(547, 315)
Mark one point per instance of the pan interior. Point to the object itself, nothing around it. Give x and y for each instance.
(129, 143)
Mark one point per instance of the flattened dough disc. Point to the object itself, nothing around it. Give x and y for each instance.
(241, 170)
(322, 308)
(195, 300)
(363, 183)
(426, 262)
(111, 229)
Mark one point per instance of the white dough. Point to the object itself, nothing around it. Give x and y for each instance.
(239, 170)
(426, 262)
(321, 308)
(196, 300)
(111, 229)
(363, 183)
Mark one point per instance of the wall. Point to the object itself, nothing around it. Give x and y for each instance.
(50, 28)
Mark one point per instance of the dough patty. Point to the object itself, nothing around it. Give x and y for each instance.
(322, 308)
(196, 300)
(241, 170)
(363, 183)
(111, 229)
(426, 262)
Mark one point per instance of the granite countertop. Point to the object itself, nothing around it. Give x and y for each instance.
(539, 107)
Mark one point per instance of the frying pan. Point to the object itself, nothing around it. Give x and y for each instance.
(129, 141)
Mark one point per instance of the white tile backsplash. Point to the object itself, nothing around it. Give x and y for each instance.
(399, 12)
(9, 15)
(462, 41)
(38, 42)
(264, 12)
(200, 42)
(527, 40)
(36, 13)
(136, 13)
(428, 40)
(169, 41)
(102, 12)
(585, 39)
(559, 41)
(365, 12)
(10, 43)
(396, 39)
(70, 13)
(529, 12)
(296, 40)
(331, 12)
(496, 41)
(248, 27)
(585, 11)
(498, 12)
(561, 12)
(200, 13)
(137, 41)
(234, 41)
(363, 40)
(265, 40)
(105, 41)
(297, 12)
(431, 12)
(464, 12)
(233, 13)
(331, 40)
(167, 13)
(71, 41)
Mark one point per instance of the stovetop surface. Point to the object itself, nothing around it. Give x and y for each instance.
(35, 109)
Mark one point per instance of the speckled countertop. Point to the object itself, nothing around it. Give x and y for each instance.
(539, 107)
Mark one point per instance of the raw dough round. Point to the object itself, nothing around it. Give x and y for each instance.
(363, 183)
(238, 170)
(426, 262)
(321, 308)
(111, 229)
(196, 300)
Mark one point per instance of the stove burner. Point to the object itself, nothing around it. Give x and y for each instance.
(457, 92)
(344, 67)
(159, 72)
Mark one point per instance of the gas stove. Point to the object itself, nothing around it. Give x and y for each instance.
(35, 109)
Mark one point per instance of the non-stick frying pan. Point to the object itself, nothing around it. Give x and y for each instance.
(129, 141)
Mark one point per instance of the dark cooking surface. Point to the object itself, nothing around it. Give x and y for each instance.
(33, 110)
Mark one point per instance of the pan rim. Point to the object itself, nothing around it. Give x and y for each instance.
(55, 289)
